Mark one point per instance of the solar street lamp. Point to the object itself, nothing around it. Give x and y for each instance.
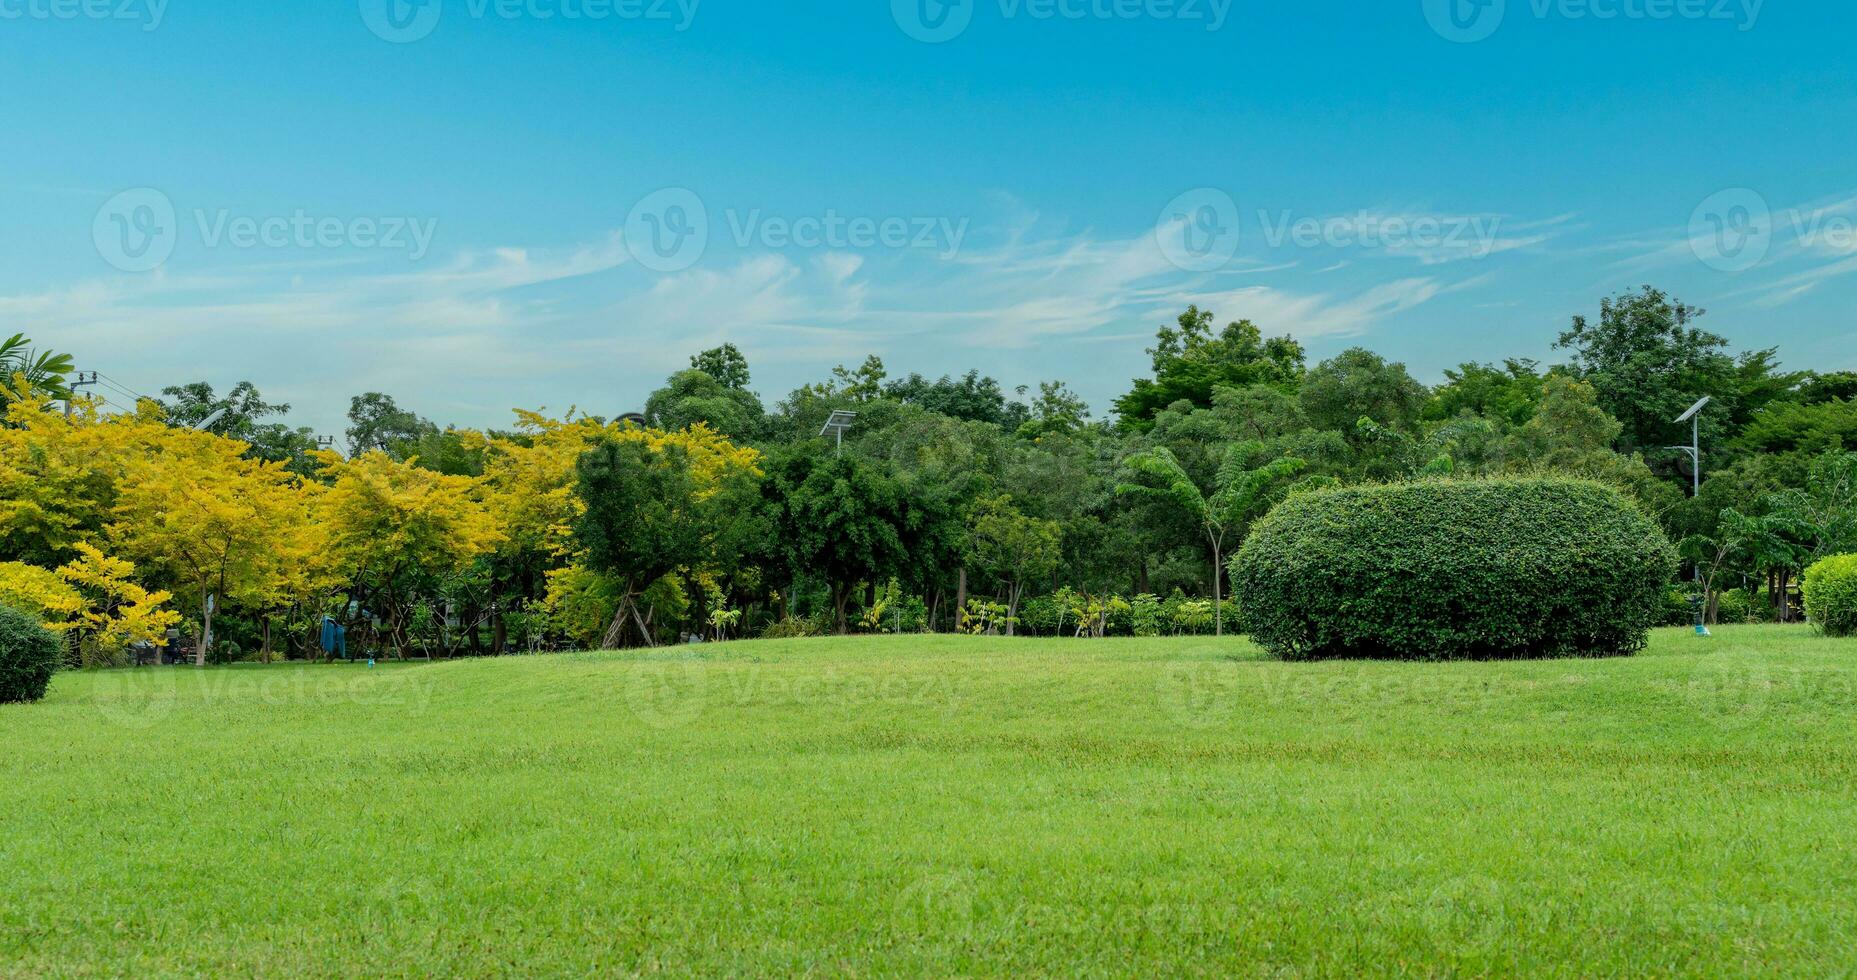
(836, 426)
(1694, 449)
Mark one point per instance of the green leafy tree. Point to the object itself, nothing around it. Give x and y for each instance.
(838, 517)
(1244, 494)
(376, 422)
(1649, 362)
(1015, 548)
(242, 414)
(1506, 394)
(1190, 362)
(643, 519)
(694, 396)
(44, 371)
(863, 384)
(1359, 384)
(726, 364)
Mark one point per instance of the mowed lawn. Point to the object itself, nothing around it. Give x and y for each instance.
(943, 805)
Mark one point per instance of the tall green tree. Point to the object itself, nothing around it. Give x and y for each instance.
(726, 364)
(1649, 361)
(1015, 548)
(1359, 384)
(642, 519)
(1190, 362)
(1243, 494)
(838, 517)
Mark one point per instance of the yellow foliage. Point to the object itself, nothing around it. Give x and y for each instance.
(116, 610)
(382, 517)
(530, 487)
(31, 589)
(94, 595)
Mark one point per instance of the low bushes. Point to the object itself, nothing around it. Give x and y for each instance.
(1831, 595)
(1446, 570)
(29, 653)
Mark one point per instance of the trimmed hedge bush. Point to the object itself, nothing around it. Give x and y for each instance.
(1831, 595)
(29, 653)
(1454, 570)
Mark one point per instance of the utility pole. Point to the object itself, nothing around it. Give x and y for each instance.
(83, 380)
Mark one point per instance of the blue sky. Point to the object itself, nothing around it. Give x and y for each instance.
(474, 204)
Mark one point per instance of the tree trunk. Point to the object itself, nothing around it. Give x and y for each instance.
(841, 598)
(1218, 600)
(960, 596)
(265, 656)
(206, 631)
(1013, 593)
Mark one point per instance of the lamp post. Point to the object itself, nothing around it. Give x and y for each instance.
(837, 424)
(1694, 449)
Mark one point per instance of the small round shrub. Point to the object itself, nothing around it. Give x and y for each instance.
(1831, 595)
(29, 653)
(1454, 570)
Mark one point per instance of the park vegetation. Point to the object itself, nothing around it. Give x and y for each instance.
(207, 523)
(1450, 570)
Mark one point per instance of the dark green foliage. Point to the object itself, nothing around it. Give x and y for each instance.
(1191, 363)
(1831, 595)
(695, 396)
(1450, 570)
(1359, 384)
(28, 656)
(726, 364)
(971, 398)
(642, 519)
(842, 518)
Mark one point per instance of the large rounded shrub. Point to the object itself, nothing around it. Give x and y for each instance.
(28, 655)
(1453, 570)
(1831, 595)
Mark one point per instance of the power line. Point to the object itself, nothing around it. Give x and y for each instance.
(119, 386)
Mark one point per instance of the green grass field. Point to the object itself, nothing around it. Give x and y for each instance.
(943, 805)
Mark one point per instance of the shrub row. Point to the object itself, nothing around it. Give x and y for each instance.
(29, 653)
(1831, 595)
(1447, 570)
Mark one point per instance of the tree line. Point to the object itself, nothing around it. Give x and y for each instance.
(952, 504)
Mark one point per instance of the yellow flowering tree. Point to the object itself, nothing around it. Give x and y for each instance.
(396, 531)
(216, 523)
